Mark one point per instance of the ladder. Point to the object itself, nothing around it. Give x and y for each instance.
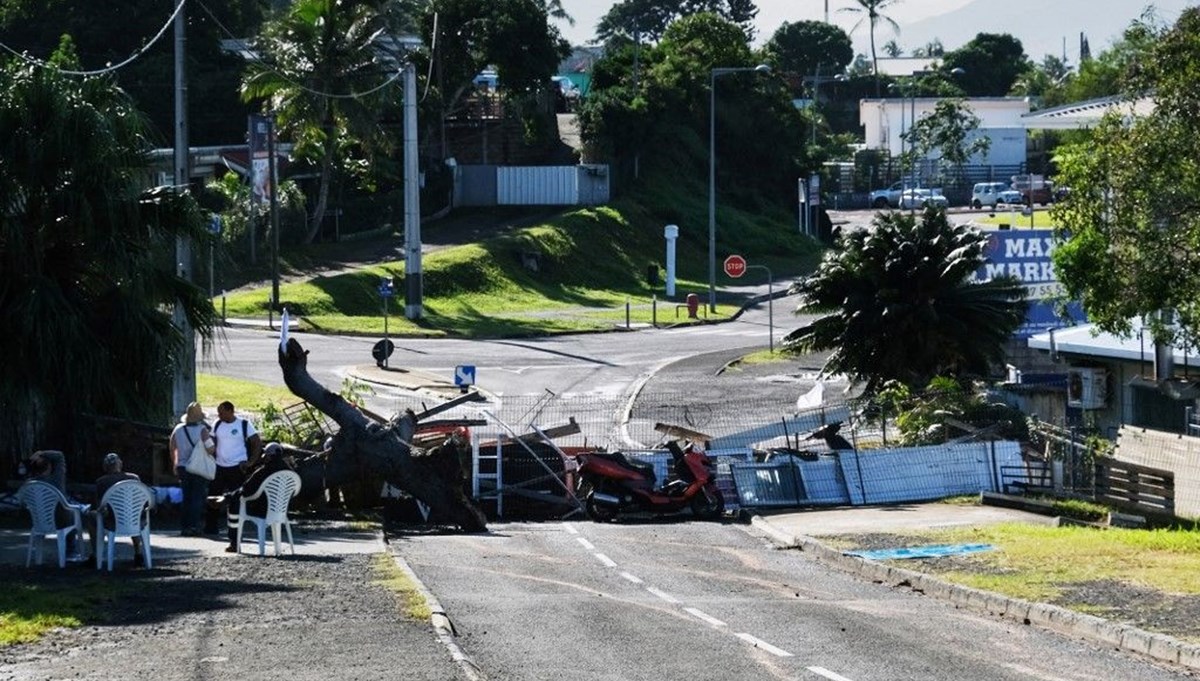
(480, 460)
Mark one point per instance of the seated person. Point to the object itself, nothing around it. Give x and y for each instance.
(112, 475)
(271, 461)
(50, 466)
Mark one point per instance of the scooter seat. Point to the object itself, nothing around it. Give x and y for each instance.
(646, 470)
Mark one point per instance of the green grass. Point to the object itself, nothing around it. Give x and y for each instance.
(1035, 562)
(591, 261)
(1041, 219)
(30, 609)
(392, 578)
(765, 357)
(248, 396)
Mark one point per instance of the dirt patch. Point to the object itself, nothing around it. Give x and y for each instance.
(1173, 614)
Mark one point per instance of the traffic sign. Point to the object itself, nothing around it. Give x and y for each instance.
(735, 266)
(464, 375)
(385, 288)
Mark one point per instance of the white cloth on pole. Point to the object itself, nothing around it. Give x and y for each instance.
(812, 399)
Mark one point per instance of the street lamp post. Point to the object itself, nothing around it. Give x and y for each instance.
(912, 122)
(712, 173)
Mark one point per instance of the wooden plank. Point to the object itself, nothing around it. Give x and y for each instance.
(569, 428)
(682, 432)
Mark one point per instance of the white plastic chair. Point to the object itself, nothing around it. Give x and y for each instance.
(279, 487)
(130, 502)
(43, 499)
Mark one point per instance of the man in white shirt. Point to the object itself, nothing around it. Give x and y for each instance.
(238, 447)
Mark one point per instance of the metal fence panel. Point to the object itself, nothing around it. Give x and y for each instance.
(475, 185)
(763, 485)
(537, 186)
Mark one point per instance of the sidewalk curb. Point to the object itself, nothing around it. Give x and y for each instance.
(1061, 620)
(443, 627)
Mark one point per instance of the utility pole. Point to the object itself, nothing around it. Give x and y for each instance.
(184, 385)
(272, 182)
(412, 200)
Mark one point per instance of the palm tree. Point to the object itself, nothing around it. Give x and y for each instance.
(326, 76)
(872, 13)
(899, 303)
(892, 49)
(87, 280)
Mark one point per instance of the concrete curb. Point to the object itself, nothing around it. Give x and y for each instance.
(1089, 627)
(443, 628)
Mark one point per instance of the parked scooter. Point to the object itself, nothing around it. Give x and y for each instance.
(611, 484)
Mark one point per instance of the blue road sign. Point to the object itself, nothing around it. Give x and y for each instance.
(214, 223)
(385, 288)
(464, 375)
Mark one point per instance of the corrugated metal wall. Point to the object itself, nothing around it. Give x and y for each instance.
(489, 185)
(475, 186)
(537, 186)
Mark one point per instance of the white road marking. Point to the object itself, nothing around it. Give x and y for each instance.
(571, 529)
(706, 617)
(662, 594)
(821, 671)
(633, 578)
(586, 544)
(608, 562)
(759, 643)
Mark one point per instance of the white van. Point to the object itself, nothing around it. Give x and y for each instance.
(991, 194)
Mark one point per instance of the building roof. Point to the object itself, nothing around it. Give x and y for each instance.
(1087, 340)
(1085, 114)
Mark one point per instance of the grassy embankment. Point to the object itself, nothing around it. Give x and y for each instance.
(1041, 563)
(1041, 219)
(591, 262)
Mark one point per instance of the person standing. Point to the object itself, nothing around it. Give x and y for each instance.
(238, 446)
(191, 429)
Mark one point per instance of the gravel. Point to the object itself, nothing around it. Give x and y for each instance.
(302, 617)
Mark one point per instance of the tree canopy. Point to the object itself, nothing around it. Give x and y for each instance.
(898, 303)
(651, 18)
(948, 130)
(803, 46)
(86, 261)
(1130, 227)
(992, 63)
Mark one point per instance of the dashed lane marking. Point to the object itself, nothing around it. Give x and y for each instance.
(706, 617)
(662, 594)
(608, 562)
(571, 529)
(759, 643)
(821, 671)
(633, 578)
(586, 544)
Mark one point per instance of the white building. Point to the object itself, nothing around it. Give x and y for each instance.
(1000, 118)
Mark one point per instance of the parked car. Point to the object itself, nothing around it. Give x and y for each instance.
(1034, 189)
(923, 198)
(887, 197)
(992, 194)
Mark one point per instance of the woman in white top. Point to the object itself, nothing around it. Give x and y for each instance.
(191, 430)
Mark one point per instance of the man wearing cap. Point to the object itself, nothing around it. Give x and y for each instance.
(112, 475)
(272, 461)
(237, 448)
(191, 429)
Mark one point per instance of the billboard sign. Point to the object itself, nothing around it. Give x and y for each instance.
(260, 173)
(1025, 254)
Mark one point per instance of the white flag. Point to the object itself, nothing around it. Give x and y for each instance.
(813, 398)
(283, 330)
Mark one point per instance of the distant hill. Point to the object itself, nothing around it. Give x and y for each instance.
(1041, 25)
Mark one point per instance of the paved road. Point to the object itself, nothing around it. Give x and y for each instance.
(708, 601)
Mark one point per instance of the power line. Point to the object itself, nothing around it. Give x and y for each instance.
(109, 69)
(253, 55)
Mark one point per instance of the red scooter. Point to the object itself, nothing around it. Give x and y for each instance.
(611, 484)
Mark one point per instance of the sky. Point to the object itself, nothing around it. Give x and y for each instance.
(1056, 30)
(771, 13)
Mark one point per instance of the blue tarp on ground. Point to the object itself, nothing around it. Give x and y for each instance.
(936, 551)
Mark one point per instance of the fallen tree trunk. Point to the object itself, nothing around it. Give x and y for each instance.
(434, 476)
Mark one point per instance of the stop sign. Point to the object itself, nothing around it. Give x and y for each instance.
(735, 266)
